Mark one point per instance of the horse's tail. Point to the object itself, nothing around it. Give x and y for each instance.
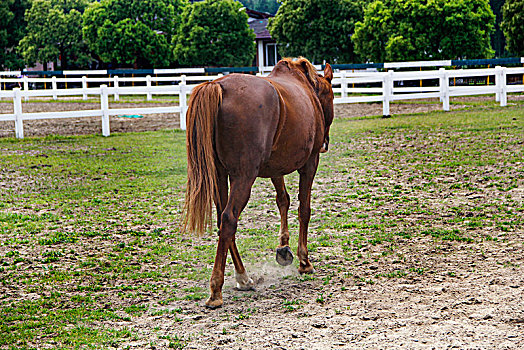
(202, 111)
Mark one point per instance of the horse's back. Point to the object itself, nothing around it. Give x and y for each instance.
(301, 127)
(266, 127)
(247, 123)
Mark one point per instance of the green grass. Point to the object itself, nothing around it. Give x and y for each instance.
(89, 226)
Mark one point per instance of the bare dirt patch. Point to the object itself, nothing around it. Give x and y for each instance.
(153, 122)
(86, 125)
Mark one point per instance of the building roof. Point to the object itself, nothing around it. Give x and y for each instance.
(258, 14)
(259, 26)
(258, 22)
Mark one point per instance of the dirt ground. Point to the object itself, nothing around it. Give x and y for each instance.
(480, 305)
(93, 125)
(472, 299)
(118, 124)
(87, 125)
(480, 310)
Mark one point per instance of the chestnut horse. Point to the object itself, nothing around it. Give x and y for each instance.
(241, 127)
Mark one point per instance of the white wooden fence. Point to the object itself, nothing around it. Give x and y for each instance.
(389, 91)
(148, 82)
(18, 116)
(370, 87)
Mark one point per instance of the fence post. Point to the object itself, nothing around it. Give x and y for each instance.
(19, 124)
(344, 84)
(53, 85)
(503, 87)
(183, 102)
(148, 88)
(104, 106)
(115, 85)
(444, 88)
(26, 86)
(84, 87)
(498, 86)
(387, 89)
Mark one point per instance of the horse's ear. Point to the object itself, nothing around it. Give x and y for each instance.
(328, 72)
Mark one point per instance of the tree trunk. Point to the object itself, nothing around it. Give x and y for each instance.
(63, 59)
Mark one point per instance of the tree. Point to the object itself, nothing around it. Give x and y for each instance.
(317, 29)
(215, 32)
(497, 37)
(6, 16)
(54, 33)
(400, 30)
(513, 25)
(269, 6)
(12, 29)
(133, 32)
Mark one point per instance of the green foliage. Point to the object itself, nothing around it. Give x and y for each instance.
(6, 16)
(513, 25)
(497, 37)
(270, 6)
(399, 30)
(12, 29)
(54, 32)
(214, 33)
(136, 32)
(317, 29)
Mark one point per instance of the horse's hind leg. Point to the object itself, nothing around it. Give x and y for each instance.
(307, 174)
(221, 196)
(243, 281)
(238, 197)
(284, 255)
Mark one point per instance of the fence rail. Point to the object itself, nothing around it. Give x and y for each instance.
(388, 65)
(367, 86)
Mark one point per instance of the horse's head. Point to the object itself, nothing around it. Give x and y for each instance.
(321, 85)
(324, 92)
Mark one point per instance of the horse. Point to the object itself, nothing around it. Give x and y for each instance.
(240, 127)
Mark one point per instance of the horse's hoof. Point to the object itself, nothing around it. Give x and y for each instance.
(284, 256)
(307, 269)
(250, 285)
(213, 304)
(244, 282)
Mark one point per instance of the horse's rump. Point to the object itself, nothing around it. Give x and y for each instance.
(247, 123)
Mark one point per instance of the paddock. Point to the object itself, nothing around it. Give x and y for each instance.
(416, 236)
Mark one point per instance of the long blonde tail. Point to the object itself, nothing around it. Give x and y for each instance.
(202, 111)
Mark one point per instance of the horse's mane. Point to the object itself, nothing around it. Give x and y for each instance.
(305, 66)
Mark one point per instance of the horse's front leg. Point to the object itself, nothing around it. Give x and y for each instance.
(284, 255)
(307, 174)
